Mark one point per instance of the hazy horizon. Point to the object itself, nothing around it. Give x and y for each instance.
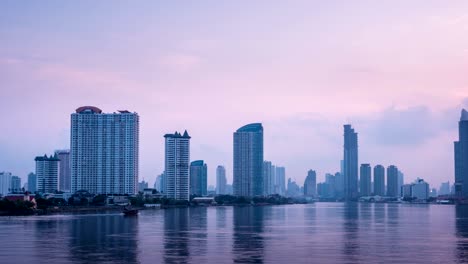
(395, 70)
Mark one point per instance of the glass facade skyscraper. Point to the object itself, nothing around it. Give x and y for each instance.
(350, 161)
(248, 161)
(461, 157)
(198, 178)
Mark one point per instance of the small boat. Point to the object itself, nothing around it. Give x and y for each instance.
(129, 211)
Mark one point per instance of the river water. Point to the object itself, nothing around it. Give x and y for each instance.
(313, 233)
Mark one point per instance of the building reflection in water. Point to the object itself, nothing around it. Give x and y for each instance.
(247, 236)
(176, 235)
(107, 238)
(350, 231)
(461, 224)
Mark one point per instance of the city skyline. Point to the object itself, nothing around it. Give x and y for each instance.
(396, 89)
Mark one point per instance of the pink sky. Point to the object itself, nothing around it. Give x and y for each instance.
(395, 70)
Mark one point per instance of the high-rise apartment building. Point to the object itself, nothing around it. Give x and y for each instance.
(15, 184)
(379, 180)
(350, 163)
(32, 181)
(401, 181)
(47, 170)
(392, 181)
(198, 178)
(365, 180)
(461, 157)
(5, 183)
(268, 178)
(221, 180)
(310, 184)
(64, 170)
(248, 161)
(104, 151)
(177, 170)
(158, 184)
(280, 179)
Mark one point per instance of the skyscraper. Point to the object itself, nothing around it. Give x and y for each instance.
(104, 151)
(32, 182)
(5, 182)
(280, 176)
(365, 180)
(268, 180)
(198, 178)
(221, 180)
(310, 184)
(158, 184)
(401, 181)
(64, 170)
(379, 180)
(350, 163)
(392, 181)
(47, 173)
(248, 160)
(15, 184)
(177, 158)
(461, 157)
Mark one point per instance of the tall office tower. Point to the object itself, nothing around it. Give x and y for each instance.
(379, 180)
(198, 178)
(15, 184)
(5, 183)
(330, 180)
(276, 183)
(444, 188)
(221, 180)
(350, 163)
(248, 160)
(47, 170)
(104, 151)
(32, 182)
(310, 184)
(177, 159)
(64, 170)
(365, 180)
(268, 180)
(461, 157)
(339, 185)
(392, 181)
(401, 181)
(281, 179)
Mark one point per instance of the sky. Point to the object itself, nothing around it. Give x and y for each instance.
(395, 70)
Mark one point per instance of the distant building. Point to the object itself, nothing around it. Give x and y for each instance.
(248, 161)
(420, 190)
(176, 173)
(293, 189)
(15, 184)
(198, 178)
(47, 170)
(461, 157)
(310, 184)
(339, 185)
(379, 180)
(64, 170)
(392, 181)
(142, 186)
(229, 189)
(406, 190)
(444, 188)
(350, 163)
(104, 151)
(331, 181)
(5, 183)
(268, 180)
(221, 180)
(433, 193)
(158, 183)
(280, 180)
(32, 182)
(365, 180)
(401, 181)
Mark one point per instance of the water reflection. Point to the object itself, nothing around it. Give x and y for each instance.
(461, 224)
(247, 237)
(106, 238)
(351, 229)
(176, 237)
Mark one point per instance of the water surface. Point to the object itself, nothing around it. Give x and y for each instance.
(315, 233)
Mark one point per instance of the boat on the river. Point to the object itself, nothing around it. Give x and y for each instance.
(129, 211)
